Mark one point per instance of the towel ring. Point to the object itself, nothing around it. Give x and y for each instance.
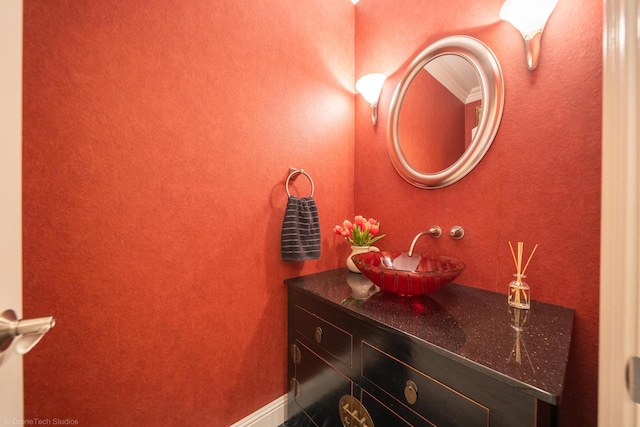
(293, 172)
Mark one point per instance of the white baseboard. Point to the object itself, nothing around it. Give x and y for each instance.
(270, 415)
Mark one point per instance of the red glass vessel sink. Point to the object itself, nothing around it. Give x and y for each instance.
(399, 273)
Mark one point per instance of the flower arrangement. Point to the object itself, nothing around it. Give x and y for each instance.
(360, 232)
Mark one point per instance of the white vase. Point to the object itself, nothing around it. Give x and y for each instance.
(358, 250)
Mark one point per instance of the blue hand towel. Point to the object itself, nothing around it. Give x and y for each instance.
(300, 238)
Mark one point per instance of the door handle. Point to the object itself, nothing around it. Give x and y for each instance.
(31, 331)
(633, 378)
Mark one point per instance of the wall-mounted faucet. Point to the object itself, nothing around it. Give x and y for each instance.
(435, 232)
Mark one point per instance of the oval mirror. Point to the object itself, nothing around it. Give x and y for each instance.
(445, 112)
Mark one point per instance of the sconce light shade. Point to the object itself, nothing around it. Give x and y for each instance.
(370, 86)
(529, 17)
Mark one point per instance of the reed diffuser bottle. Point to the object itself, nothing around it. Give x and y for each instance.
(519, 295)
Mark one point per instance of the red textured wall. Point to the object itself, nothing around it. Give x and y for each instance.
(539, 182)
(157, 138)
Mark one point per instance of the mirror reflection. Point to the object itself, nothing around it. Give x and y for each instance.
(440, 113)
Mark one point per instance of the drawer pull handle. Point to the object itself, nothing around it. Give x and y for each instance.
(318, 334)
(411, 392)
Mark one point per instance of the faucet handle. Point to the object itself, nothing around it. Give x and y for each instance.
(457, 232)
(435, 231)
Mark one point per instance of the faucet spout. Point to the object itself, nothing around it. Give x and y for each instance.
(435, 232)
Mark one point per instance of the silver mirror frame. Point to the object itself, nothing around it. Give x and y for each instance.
(490, 74)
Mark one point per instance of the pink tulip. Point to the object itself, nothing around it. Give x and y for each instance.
(360, 232)
(375, 228)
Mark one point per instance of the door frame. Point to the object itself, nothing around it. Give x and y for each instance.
(11, 19)
(620, 220)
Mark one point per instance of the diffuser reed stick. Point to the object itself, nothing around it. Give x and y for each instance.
(529, 260)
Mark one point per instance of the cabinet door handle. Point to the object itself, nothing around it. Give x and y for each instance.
(318, 334)
(295, 387)
(411, 392)
(295, 354)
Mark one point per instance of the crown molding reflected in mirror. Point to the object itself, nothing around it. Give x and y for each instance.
(488, 83)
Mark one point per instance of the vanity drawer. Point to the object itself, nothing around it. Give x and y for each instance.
(430, 399)
(330, 338)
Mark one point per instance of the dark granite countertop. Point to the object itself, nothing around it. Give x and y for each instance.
(472, 326)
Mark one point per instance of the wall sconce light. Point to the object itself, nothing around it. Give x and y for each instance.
(370, 86)
(529, 17)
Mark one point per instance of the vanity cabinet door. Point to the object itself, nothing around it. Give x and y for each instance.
(426, 397)
(444, 393)
(318, 387)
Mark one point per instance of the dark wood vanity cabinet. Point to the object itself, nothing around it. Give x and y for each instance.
(458, 357)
